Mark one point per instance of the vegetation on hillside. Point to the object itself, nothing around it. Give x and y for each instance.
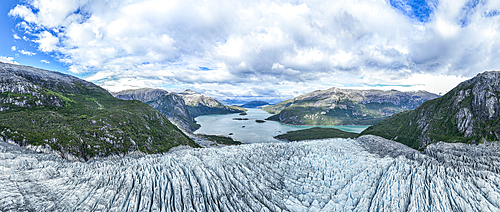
(220, 139)
(82, 120)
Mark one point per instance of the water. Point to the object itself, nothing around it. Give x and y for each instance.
(254, 132)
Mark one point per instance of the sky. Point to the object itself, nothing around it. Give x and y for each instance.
(255, 49)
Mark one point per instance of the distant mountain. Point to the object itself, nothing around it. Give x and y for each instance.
(53, 112)
(469, 113)
(199, 104)
(232, 101)
(254, 104)
(345, 106)
(168, 103)
(243, 100)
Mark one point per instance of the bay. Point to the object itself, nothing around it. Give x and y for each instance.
(249, 131)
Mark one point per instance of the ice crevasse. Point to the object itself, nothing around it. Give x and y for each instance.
(364, 174)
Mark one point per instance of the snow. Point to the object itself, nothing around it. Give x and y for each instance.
(366, 174)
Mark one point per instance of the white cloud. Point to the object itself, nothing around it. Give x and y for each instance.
(435, 83)
(44, 61)
(13, 48)
(47, 42)
(16, 37)
(50, 13)
(23, 12)
(251, 44)
(8, 60)
(27, 52)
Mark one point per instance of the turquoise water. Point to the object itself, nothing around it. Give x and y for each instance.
(254, 132)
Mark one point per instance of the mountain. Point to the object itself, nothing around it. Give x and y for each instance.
(53, 112)
(254, 104)
(468, 113)
(345, 106)
(199, 104)
(243, 100)
(228, 101)
(168, 103)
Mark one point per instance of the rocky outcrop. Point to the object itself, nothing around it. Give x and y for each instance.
(168, 103)
(199, 104)
(345, 106)
(468, 113)
(49, 111)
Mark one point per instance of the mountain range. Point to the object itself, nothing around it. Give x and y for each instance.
(53, 112)
(337, 106)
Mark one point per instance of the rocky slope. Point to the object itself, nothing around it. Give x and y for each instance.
(254, 104)
(49, 111)
(468, 113)
(345, 106)
(199, 104)
(168, 103)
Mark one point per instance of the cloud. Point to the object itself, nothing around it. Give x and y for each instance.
(233, 48)
(14, 48)
(27, 52)
(4, 59)
(47, 42)
(44, 61)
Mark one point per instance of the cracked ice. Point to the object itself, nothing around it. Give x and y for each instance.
(366, 174)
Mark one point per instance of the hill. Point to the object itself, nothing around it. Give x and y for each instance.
(469, 113)
(50, 111)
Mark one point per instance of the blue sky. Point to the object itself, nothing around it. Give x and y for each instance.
(8, 29)
(256, 50)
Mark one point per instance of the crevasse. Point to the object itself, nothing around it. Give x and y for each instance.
(367, 174)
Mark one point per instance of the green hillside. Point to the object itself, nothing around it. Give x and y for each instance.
(77, 118)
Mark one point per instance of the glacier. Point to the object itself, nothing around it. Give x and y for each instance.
(364, 174)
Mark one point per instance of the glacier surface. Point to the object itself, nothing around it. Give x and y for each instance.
(365, 174)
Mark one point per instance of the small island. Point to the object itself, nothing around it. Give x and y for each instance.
(259, 121)
(240, 119)
(315, 133)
